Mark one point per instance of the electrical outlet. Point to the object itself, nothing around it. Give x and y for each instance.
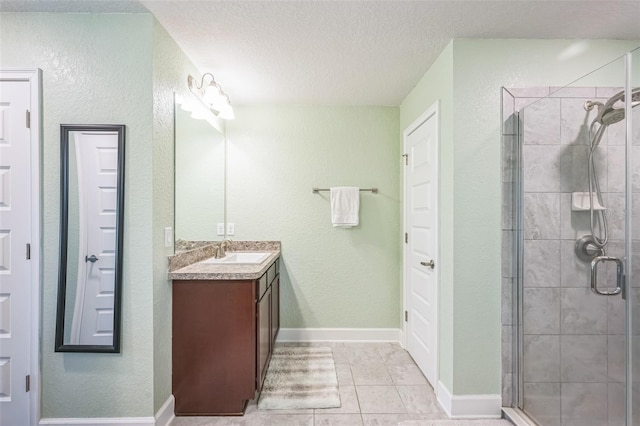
(231, 228)
(220, 229)
(168, 237)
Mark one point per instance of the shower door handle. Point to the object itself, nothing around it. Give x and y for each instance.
(619, 276)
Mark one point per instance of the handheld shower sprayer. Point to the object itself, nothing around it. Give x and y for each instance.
(608, 113)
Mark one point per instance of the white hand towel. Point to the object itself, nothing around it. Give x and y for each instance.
(345, 206)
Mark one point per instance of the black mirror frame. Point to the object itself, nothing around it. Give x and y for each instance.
(65, 129)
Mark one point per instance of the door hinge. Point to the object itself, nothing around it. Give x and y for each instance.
(28, 119)
(406, 316)
(406, 159)
(28, 251)
(406, 237)
(28, 383)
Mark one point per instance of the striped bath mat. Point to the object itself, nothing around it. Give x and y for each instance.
(299, 378)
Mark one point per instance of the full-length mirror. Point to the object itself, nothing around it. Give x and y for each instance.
(91, 227)
(199, 175)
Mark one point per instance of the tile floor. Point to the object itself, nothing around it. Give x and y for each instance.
(379, 385)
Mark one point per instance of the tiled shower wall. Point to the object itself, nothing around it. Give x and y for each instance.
(574, 343)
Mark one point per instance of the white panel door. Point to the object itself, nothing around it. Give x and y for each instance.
(15, 270)
(97, 158)
(421, 251)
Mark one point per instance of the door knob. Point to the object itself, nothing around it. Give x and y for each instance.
(91, 258)
(430, 264)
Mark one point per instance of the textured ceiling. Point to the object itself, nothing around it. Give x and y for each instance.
(349, 52)
(362, 52)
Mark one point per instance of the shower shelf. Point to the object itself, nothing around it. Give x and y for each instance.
(580, 202)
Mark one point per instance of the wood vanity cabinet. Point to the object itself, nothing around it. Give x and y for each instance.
(264, 332)
(223, 337)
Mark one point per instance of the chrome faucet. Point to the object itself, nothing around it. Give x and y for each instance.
(223, 247)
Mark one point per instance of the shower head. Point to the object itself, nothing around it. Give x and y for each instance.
(620, 97)
(612, 116)
(612, 111)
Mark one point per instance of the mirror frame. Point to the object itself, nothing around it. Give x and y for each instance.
(65, 130)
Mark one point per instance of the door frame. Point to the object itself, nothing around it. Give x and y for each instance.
(34, 77)
(432, 111)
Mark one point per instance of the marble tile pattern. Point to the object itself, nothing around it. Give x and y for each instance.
(189, 266)
(541, 215)
(541, 122)
(542, 402)
(396, 393)
(542, 168)
(574, 343)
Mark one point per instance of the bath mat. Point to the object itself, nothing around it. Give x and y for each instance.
(299, 378)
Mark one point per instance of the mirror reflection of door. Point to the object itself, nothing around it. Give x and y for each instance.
(96, 156)
(91, 230)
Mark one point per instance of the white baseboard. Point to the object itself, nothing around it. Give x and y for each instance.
(163, 417)
(469, 406)
(339, 335)
(100, 421)
(165, 414)
(403, 338)
(444, 398)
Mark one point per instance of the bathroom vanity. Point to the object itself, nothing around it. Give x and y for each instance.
(226, 317)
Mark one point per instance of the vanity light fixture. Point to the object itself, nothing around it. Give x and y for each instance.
(197, 109)
(212, 96)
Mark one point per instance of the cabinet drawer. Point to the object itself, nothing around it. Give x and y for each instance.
(263, 283)
(271, 273)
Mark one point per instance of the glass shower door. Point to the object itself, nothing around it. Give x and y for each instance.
(576, 330)
(633, 247)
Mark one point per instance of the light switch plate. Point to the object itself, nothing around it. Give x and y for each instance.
(168, 237)
(220, 229)
(231, 228)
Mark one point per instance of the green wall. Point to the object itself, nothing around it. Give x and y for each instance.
(170, 70)
(330, 277)
(101, 69)
(470, 184)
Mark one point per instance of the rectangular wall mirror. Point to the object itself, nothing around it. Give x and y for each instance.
(91, 228)
(199, 174)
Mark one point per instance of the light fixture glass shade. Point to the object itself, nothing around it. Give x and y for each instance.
(214, 98)
(212, 102)
(200, 112)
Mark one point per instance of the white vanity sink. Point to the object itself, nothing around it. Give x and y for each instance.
(239, 258)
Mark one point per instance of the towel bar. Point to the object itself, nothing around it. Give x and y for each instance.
(372, 190)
